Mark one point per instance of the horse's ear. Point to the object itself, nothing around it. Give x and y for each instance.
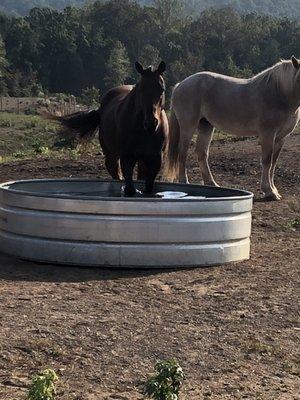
(139, 67)
(295, 62)
(161, 68)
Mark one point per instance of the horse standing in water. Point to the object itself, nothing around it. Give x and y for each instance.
(133, 128)
(267, 106)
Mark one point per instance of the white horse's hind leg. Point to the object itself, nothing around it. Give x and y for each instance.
(186, 134)
(183, 152)
(206, 131)
(277, 150)
(267, 146)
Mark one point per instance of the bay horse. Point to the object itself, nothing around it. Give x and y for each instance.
(266, 105)
(133, 127)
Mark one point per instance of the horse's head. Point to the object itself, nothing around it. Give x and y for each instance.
(296, 65)
(151, 94)
(289, 80)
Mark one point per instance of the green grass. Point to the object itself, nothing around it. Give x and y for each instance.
(29, 137)
(24, 136)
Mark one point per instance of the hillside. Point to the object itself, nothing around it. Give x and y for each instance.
(289, 8)
(22, 7)
(274, 7)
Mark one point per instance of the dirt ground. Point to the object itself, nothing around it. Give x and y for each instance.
(234, 328)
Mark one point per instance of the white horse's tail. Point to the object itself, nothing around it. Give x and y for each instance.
(173, 147)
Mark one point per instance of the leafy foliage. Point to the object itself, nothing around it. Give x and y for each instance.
(43, 386)
(3, 60)
(149, 55)
(117, 66)
(90, 97)
(166, 383)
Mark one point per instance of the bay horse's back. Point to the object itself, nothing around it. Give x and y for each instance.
(118, 92)
(109, 130)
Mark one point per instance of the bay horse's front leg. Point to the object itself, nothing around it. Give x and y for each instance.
(153, 165)
(127, 167)
(141, 171)
(267, 146)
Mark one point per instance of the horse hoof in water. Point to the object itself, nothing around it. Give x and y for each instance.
(129, 191)
(148, 191)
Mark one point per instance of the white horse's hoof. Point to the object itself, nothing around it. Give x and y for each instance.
(277, 194)
(184, 181)
(272, 197)
(212, 183)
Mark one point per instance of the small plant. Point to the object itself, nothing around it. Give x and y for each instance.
(31, 123)
(295, 224)
(43, 386)
(45, 151)
(19, 154)
(30, 111)
(5, 123)
(292, 367)
(166, 383)
(67, 140)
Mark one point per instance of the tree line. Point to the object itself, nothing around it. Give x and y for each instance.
(288, 8)
(22, 7)
(83, 50)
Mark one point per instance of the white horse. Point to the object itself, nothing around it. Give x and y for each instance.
(267, 106)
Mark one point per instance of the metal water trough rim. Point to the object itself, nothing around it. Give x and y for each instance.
(243, 193)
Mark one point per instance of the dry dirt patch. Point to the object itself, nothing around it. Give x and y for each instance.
(234, 328)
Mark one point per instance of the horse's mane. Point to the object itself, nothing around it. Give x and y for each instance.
(278, 77)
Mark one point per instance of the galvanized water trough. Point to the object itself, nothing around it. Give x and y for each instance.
(89, 223)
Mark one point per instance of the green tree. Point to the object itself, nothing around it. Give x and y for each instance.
(3, 69)
(170, 12)
(90, 97)
(149, 55)
(3, 59)
(117, 66)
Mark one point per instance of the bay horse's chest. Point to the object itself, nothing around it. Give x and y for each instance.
(135, 140)
(141, 143)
